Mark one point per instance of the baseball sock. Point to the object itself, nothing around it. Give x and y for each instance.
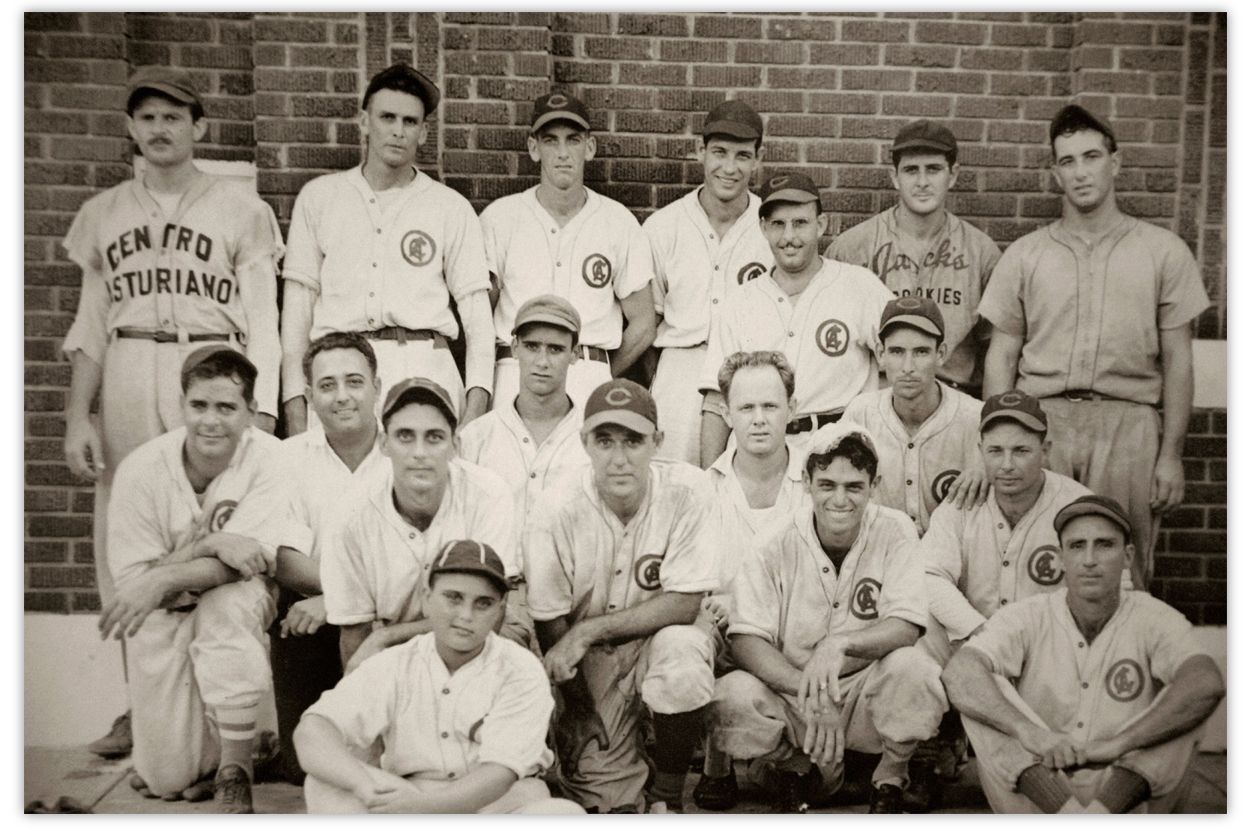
(675, 738)
(1042, 786)
(1123, 791)
(237, 736)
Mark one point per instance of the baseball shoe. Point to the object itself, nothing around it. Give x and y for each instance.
(119, 741)
(663, 806)
(886, 799)
(233, 791)
(924, 791)
(716, 793)
(792, 796)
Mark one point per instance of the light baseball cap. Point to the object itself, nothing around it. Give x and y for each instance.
(422, 390)
(829, 436)
(548, 308)
(624, 403)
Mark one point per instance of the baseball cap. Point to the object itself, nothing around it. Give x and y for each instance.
(911, 310)
(559, 106)
(790, 187)
(924, 134)
(547, 308)
(1074, 117)
(401, 76)
(1017, 406)
(735, 119)
(232, 357)
(424, 391)
(1094, 505)
(624, 403)
(167, 80)
(471, 557)
(829, 436)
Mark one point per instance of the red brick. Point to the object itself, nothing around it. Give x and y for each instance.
(666, 25)
(59, 274)
(883, 80)
(619, 98)
(44, 375)
(1186, 567)
(88, 98)
(95, 46)
(694, 51)
(821, 126)
(802, 78)
(844, 54)
(52, 22)
(771, 101)
(485, 112)
(46, 602)
(178, 29)
(495, 138)
(291, 29)
(46, 551)
(581, 22)
(1004, 83)
(802, 30)
(1004, 34)
(917, 106)
(631, 121)
(58, 71)
(302, 106)
(986, 107)
(286, 131)
(967, 34)
(55, 122)
(512, 89)
(728, 77)
(285, 80)
(145, 53)
(619, 48)
(61, 577)
(633, 196)
(906, 55)
(641, 170)
(985, 204)
(582, 72)
(876, 31)
(957, 82)
(615, 146)
(849, 152)
(1094, 31)
(867, 178)
(1152, 60)
(475, 162)
(46, 501)
(649, 75)
(1019, 132)
(514, 40)
(334, 57)
(219, 57)
(754, 52)
(999, 59)
(726, 26)
(85, 601)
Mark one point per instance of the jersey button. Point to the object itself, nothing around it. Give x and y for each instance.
(911, 445)
(1080, 724)
(445, 691)
(909, 481)
(444, 735)
(379, 231)
(781, 299)
(371, 294)
(1085, 685)
(451, 774)
(791, 334)
(559, 263)
(1081, 645)
(1003, 602)
(553, 230)
(717, 268)
(825, 569)
(715, 301)
(1006, 563)
(525, 440)
(533, 475)
(612, 606)
(999, 526)
(375, 265)
(412, 535)
(836, 604)
(618, 571)
(711, 236)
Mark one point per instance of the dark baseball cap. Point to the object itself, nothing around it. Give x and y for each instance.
(423, 391)
(735, 119)
(918, 312)
(790, 187)
(624, 403)
(1074, 117)
(471, 557)
(227, 354)
(401, 76)
(925, 135)
(548, 308)
(559, 106)
(1016, 405)
(1095, 505)
(166, 80)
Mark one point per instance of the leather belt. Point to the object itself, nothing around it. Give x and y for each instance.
(170, 337)
(591, 353)
(1086, 395)
(402, 334)
(812, 421)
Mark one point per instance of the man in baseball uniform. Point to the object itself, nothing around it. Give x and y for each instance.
(920, 248)
(705, 245)
(193, 539)
(822, 314)
(1093, 315)
(1086, 699)
(926, 430)
(594, 255)
(169, 261)
(461, 714)
(618, 562)
(826, 615)
(376, 581)
(337, 455)
(381, 249)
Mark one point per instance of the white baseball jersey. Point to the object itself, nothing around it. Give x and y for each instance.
(598, 258)
(976, 562)
(381, 570)
(917, 470)
(791, 595)
(694, 270)
(437, 725)
(829, 334)
(583, 562)
(951, 268)
(209, 267)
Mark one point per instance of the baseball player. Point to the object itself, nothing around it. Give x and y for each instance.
(1086, 699)
(826, 615)
(376, 581)
(1092, 314)
(170, 260)
(618, 561)
(822, 314)
(461, 713)
(705, 245)
(926, 430)
(595, 254)
(920, 248)
(193, 537)
(338, 454)
(423, 248)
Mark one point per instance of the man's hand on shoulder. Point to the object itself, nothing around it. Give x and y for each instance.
(969, 490)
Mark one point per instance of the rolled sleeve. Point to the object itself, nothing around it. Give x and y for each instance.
(942, 559)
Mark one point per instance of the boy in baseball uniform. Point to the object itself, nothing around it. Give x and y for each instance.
(705, 245)
(618, 562)
(918, 248)
(382, 249)
(1093, 315)
(1086, 699)
(926, 430)
(594, 254)
(826, 615)
(822, 314)
(194, 527)
(169, 261)
(460, 713)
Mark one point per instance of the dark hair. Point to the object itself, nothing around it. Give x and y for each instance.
(1075, 120)
(421, 396)
(949, 155)
(338, 340)
(401, 78)
(853, 449)
(1041, 434)
(223, 364)
(518, 332)
(765, 357)
(143, 93)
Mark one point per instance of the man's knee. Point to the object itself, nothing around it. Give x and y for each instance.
(679, 675)
(241, 604)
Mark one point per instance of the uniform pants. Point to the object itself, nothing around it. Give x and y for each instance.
(303, 667)
(1001, 759)
(669, 672)
(888, 707)
(1111, 448)
(678, 402)
(183, 665)
(582, 378)
(526, 796)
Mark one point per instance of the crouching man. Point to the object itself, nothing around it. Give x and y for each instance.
(461, 713)
(1085, 699)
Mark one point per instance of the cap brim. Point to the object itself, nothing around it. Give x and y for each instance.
(915, 321)
(549, 319)
(411, 394)
(623, 418)
(499, 582)
(561, 115)
(918, 144)
(1015, 415)
(734, 129)
(176, 93)
(1074, 510)
(800, 197)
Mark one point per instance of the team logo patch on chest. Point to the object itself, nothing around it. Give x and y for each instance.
(833, 337)
(942, 484)
(749, 273)
(597, 270)
(221, 512)
(1125, 680)
(1044, 567)
(418, 248)
(648, 572)
(865, 598)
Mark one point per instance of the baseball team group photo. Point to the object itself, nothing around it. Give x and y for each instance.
(576, 412)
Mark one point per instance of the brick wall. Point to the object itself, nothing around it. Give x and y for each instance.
(283, 91)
